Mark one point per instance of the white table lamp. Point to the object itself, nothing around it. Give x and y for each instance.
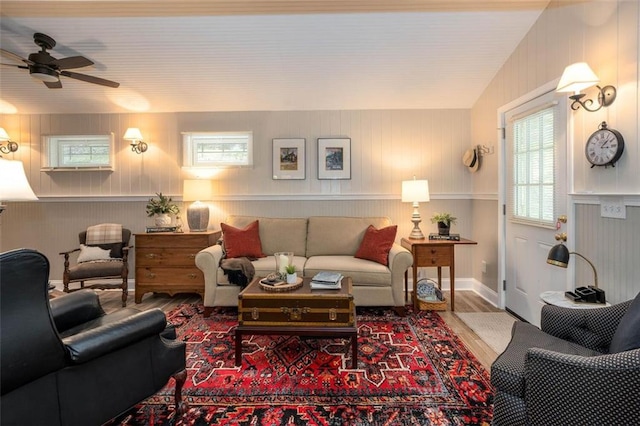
(415, 191)
(197, 190)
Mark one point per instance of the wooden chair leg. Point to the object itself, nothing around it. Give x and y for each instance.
(125, 292)
(181, 406)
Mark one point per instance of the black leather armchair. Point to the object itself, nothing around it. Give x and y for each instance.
(66, 362)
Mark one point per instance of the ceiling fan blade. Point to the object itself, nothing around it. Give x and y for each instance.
(71, 62)
(90, 79)
(24, 67)
(53, 85)
(15, 57)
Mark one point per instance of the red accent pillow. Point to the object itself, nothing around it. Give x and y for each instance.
(242, 242)
(377, 243)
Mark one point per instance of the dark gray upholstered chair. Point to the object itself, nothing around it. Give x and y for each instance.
(116, 267)
(66, 362)
(580, 368)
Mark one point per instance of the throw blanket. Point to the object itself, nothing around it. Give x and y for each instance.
(105, 233)
(240, 270)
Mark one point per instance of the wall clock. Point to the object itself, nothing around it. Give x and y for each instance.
(604, 147)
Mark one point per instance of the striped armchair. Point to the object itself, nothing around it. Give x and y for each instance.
(578, 369)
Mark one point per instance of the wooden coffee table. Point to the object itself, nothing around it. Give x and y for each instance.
(301, 312)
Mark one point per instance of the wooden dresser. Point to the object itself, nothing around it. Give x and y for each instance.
(165, 262)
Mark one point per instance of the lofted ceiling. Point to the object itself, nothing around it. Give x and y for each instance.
(262, 55)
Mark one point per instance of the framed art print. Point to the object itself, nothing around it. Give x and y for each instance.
(289, 158)
(334, 158)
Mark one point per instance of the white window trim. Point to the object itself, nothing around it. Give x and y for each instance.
(190, 140)
(51, 161)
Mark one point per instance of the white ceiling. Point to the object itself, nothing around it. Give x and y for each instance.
(266, 55)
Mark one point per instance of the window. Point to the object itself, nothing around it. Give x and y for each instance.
(218, 149)
(78, 152)
(533, 167)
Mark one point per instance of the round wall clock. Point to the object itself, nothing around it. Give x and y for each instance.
(604, 147)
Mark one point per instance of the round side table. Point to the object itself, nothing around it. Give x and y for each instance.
(557, 298)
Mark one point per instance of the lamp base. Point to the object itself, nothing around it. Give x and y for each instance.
(198, 217)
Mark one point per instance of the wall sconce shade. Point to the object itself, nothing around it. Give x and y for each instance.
(11, 145)
(579, 76)
(197, 190)
(415, 191)
(134, 135)
(15, 186)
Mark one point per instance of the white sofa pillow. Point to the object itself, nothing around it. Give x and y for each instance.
(89, 253)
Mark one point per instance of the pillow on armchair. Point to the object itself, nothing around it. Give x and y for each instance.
(91, 253)
(627, 335)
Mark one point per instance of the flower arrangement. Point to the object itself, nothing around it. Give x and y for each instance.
(161, 205)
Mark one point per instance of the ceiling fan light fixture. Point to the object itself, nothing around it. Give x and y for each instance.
(43, 73)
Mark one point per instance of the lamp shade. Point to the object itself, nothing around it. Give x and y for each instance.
(15, 186)
(577, 77)
(4, 136)
(132, 134)
(415, 191)
(558, 256)
(197, 190)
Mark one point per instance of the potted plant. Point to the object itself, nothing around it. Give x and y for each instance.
(161, 207)
(444, 221)
(292, 277)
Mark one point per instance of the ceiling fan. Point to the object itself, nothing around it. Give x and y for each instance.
(46, 68)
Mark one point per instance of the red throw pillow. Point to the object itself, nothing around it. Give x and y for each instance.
(242, 242)
(377, 243)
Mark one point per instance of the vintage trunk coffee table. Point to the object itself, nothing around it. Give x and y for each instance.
(301, 312)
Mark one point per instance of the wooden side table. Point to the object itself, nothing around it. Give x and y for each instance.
(432, 253)
(165, 262)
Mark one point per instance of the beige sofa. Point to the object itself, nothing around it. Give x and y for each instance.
(319, 243)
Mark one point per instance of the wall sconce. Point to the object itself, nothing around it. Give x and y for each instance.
(11, 145)
(137, 144)
(15, 186)
(414, 191)
(197, 190)
(579, 76)
(559, 256)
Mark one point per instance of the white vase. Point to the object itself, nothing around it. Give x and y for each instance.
(292, 278)
(163, 219)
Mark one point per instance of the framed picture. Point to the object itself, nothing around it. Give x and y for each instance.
(289, 158)
(334, 158)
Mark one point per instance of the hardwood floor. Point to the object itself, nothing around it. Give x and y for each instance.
(466, 301)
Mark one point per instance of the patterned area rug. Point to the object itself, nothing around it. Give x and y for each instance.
(412, 370)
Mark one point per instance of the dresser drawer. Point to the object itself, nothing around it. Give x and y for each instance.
(169, 276)
(434, 256)
(171, 240)
(155, 256)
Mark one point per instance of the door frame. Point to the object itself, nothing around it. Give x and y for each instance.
(569, 227)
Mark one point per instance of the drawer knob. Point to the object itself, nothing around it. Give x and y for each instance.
(255, 314)
(433, 261)
(151, 275)
(192, 276)
(433, 251)
(151, 256)
(333, 315)
(192, 256)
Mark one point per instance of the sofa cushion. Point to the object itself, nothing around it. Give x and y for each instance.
(277, 234)
(243, 242)
(337, 235)
(376, 244)
(627, 335)
(507, 371)
(361, 271)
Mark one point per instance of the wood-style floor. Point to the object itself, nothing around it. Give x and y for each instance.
(466, 301)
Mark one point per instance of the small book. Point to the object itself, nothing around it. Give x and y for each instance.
(327, 277)
(450, 237)
(152, 229)
(318, 285)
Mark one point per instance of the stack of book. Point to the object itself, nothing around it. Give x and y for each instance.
(152, 229)
(326, 281)
(450, 237)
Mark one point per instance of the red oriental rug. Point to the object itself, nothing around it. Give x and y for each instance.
(412, 370)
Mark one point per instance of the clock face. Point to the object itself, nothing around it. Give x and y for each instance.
(604, 148)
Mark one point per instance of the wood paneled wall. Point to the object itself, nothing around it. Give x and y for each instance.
(387, 147)
(607, 36)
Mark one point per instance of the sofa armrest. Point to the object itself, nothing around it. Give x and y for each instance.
(208, 261)
(400, 259)
(576, 390)
(591, 328)
(101, 340)
(75, 308)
